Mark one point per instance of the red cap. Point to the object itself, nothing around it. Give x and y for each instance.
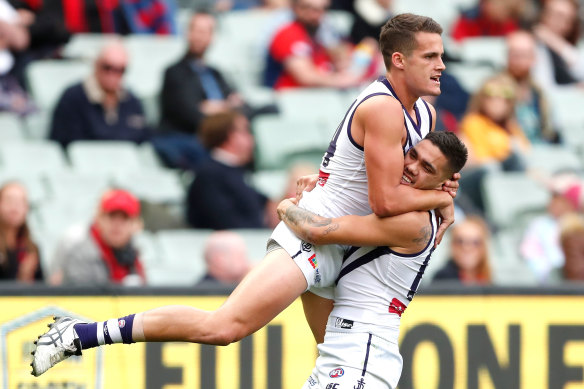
(120, 200)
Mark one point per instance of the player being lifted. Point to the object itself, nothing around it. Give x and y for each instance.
(360, 174)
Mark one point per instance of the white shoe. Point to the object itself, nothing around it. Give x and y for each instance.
(55, 345)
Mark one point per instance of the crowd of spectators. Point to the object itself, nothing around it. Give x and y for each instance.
(205, 123)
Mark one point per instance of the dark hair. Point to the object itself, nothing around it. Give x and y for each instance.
(452, 147)
(399, 34)
(215, 129)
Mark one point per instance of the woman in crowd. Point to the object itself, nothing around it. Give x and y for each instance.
(19, 256)
(469, 253)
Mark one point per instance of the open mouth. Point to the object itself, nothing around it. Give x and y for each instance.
(406, 180)
(436, 79)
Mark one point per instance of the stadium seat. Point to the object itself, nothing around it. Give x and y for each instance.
(551, 158)
(148, 250)
(507, 267)
(158, 52)
(85, 46)
(47, 79)
(444, 13)
(566, 104)
(181, 253)
(34, 156)
(509, 195)
(278, 137)
(148, 157)
(321, 105)
(104, 157)
(38, 125)
(471, 77)
(11, 128)
(68, 185)
(271, 183)
(255, 241)
(341, 21)
(485, 50)
(156, 186)
(32, 181)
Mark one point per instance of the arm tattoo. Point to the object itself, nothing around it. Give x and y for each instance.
(301, 217)
(424, 236)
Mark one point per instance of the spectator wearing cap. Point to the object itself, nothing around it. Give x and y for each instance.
(226, 258)
(103, 253)
(540, 246)
(100, 108)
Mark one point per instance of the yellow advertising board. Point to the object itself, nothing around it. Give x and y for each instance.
(447, 342)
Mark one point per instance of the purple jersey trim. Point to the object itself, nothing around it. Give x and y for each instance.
(353, 113)
(417, 123)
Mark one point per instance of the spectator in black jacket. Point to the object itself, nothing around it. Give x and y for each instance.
(100, 108)
(220, 198)
(192, 89)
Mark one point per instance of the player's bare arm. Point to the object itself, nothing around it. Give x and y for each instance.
(410, 231)
(382, 141)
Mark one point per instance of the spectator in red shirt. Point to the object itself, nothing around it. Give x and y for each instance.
(488, 18)
(296, 58)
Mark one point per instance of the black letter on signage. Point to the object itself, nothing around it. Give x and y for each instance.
(481, 353)
(427, 333)
(208, 366)
(158, 375)
(246, 363)
(274, 357)
(559, 373)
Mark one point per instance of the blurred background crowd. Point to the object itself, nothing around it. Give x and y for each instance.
(147, 142)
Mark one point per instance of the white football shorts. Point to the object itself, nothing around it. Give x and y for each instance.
(356, 355)
(319, 264)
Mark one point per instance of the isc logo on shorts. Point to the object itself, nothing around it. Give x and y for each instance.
(336, 373)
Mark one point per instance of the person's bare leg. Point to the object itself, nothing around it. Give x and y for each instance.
(316, 310)
(265, 292)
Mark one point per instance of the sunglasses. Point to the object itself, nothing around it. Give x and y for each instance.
(470, 242)
(113, 69)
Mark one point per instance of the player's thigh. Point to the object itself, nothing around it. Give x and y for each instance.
(266, 291)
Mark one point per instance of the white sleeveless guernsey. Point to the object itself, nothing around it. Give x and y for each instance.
(375, 285)
(342, 190)
(342, 187)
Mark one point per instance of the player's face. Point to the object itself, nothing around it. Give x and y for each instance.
(425, 167)
(424, 66)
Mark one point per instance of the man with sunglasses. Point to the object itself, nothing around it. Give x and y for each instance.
(99, 107)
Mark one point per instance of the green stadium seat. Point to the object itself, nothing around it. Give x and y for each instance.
(271, 183)
(33, 156)
(148, 250)
(321, 105)
(37, 126)
(507, 196)
(548, 159)
(278, 137)
(104, 157)
(484, 50)
(255, 241)
(181, 253)
(471, 77)
(47, 79)
(148, 156)
(32, 181)
(507, 267)
(156, 186)
(150, 55)
(85, 46)
(341, 21)
(71, 186)
(11, 128)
